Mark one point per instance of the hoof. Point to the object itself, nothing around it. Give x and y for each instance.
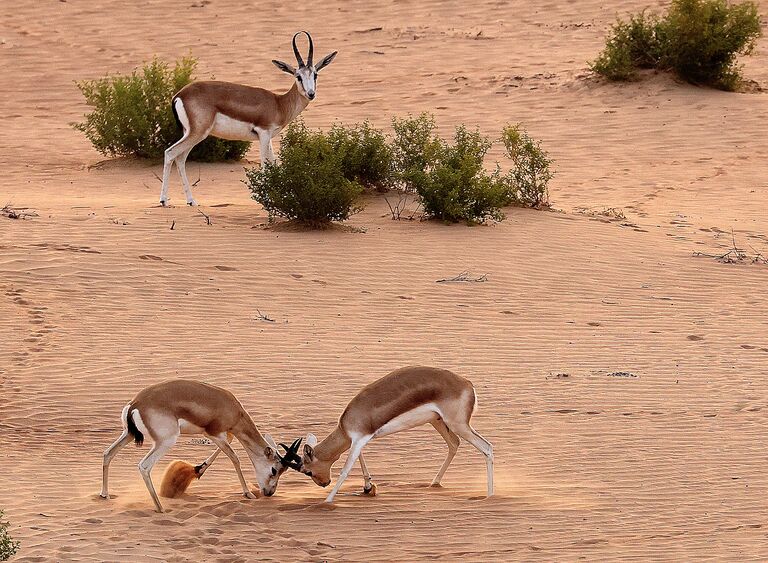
(436, 486)
(192, 203)
(102, 495)
(250, 495)
(370, 491)
(164, 202)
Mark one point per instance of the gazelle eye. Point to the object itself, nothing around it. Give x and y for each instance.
(274, 472)
(309, 474)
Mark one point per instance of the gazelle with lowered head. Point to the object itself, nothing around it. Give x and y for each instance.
(238, 112)
(166, 410)
(406, 398)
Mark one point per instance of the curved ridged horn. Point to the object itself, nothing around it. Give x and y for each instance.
(311, 49)
(291, 458)
(296, 50)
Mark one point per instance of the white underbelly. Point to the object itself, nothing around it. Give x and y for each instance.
(232, 129)
(186, 427)
(416, 417)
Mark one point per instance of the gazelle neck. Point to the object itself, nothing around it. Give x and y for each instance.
(335, 444)
(291, 104)
(248, 435)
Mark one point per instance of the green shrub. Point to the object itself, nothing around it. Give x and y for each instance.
(8, 546)
(699, 40)
(632, 45)
(705, 36)
(366, 155)
(455, 186)
(308, 183)
(526, 183)
(415, 147)
(132, 114)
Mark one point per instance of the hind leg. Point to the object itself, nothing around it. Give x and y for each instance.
(453, 442)
(159, 449)
(124, 439)
(181, 164)
(481, 444)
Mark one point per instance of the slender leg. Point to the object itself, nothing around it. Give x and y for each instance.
(482, 445)
(145, 466)
(181, 164)
(109, 454)
(203, 467)
(265, 149)
(354, 453)
(453, 442)
(368, 487)
(171, 153)
(223, 444)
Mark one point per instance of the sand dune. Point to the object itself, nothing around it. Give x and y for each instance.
(620, 379)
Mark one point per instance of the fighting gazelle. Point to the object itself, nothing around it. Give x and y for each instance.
(406, 398)
(165, 410)
(239, 113)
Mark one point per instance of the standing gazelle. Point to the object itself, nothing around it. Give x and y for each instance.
(406, 398)
(239, 113)
(179, 406)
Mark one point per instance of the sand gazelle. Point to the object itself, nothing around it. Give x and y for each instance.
(165, 410)
(405, 398)
(238, 112)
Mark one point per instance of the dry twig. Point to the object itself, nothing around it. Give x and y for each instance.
(11, 213)
(736, 255)
(464, 277)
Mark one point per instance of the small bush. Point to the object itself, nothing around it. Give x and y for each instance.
(366, 156)
(415, 148)
(455, 186)
(308, 183)
(132, 114)
(635, 44)
(526, 183)
(705, 36)
(8, 546)
(699, 40)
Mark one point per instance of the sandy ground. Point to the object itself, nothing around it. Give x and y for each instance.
(99, 297)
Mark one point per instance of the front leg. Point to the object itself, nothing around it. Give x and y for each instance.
(354, 453)
(369, 488)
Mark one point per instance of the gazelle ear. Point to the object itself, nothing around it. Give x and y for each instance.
(285, 67)
(327, 59)
(311, 440)
(269, 452)
(268, 438)
(309, 452)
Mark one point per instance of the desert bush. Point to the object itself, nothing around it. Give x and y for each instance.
(699, 40)
(132, 114)
(308, 183)
(705, 36)
(8, 546)
(415, 148)
(635, 44)
(455, 186)
(526, 182)
(366, 155)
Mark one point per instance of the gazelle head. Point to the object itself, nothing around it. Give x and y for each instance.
(312, 466)
(274, 465)
(306, 73)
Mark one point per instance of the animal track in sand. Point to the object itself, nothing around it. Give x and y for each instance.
(694, 337)
(36, 316)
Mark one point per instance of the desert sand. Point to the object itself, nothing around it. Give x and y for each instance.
(621, 379)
